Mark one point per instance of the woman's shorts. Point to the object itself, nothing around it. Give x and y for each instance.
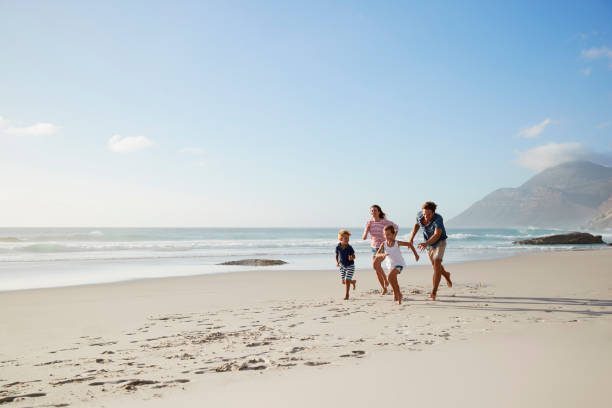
(398, 267)
(374, 251)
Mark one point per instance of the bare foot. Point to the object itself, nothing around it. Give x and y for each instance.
(399, 298)
(449, 283)
(346, 298)
(384, 291)
(354, 282)
(431, 296)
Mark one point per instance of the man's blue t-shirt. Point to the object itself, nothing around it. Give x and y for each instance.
(344, 253)
(429, 229)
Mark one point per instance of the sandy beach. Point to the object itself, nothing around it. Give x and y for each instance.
(533, 330)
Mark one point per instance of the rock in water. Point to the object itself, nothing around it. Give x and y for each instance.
(255, 262)
(573, 238)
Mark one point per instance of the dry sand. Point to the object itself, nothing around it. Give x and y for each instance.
(523, 331)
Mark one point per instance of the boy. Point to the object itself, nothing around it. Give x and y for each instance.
(345, 260)
(390, 249)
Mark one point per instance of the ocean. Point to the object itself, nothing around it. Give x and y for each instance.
(52, 257)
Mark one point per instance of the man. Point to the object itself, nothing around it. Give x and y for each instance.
(435, 243)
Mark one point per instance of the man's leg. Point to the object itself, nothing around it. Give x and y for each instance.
(437, 266)
(441, 248)
(430, 254)
(446, 275)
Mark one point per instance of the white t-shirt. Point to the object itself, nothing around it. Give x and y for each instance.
(394, 255)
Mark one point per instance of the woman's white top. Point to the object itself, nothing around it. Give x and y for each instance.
(394, 256)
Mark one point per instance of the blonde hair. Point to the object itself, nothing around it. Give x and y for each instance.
(343, 232)
(389, 228)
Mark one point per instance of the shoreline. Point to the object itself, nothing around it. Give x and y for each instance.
(226, 339)
(284, 268)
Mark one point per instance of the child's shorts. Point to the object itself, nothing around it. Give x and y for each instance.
(346, 272)
(398, 267)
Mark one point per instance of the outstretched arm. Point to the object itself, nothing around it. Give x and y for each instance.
(416, 256)
(415, 229)
(337, 262)
(409, 245)
(434, 238)
(366, 231)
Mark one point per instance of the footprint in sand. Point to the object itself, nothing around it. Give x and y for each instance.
(4, 400)
(315, 363)
(73, 380)
(355, 353)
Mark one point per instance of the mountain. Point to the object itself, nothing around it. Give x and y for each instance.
(564, 196)
(604, 218)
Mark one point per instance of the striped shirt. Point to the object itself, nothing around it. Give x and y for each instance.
(376, 231)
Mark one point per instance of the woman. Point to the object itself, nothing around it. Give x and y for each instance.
(375, 227)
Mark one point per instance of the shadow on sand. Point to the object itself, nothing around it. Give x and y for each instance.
(527, 304)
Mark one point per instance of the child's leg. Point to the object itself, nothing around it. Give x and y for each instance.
(397, 295)
(343, 274)
(380, 274)
(348, 288)
(350, 271)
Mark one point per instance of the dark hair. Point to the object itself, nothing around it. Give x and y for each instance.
(430, 205)
(381, 214)
(389, 227)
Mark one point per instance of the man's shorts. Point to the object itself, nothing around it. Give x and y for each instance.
(437, 252)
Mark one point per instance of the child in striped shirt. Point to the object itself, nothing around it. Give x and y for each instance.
(345, 260)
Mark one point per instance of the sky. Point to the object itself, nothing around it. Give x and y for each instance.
(290, 114)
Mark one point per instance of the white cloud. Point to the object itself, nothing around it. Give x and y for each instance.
(604, 124)
(128, 144)
(37, 129)
(587, 71)
(534, 130)
(599, 52)
(551, 154)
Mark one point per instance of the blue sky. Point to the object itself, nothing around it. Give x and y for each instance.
(290, 114)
